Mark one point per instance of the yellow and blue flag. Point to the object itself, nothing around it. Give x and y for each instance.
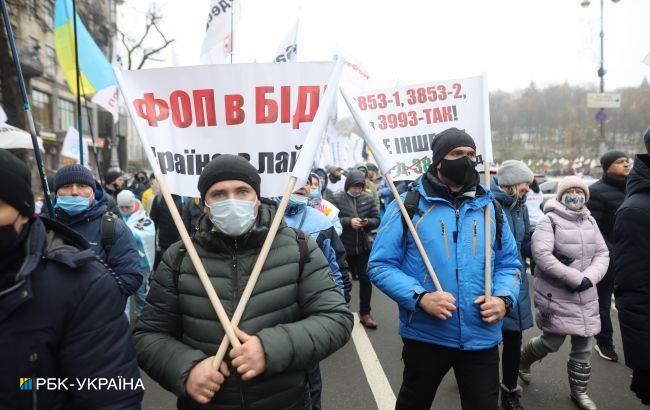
(95, 71)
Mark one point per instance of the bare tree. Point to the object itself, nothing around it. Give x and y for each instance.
(137, 49)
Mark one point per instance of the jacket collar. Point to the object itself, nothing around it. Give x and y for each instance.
(553, 205)
(617, 183)
(639, 179)
(96, 211)
(436, 191)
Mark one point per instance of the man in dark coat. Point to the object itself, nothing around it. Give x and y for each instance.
(166, 231)
(60, 312)
(606, 196)
(295, 317)
(76, 207)
(359, 216)
(632, 273)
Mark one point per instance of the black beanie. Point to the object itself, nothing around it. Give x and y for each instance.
(228, 167)
(16, 187)
(608, 158)
(73, 174)
(448, 140)
(646, 140)
(111, 177)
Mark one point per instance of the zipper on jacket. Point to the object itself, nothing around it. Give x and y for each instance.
(460, 330)
(474, 235)
(444, 238)
(33, 361)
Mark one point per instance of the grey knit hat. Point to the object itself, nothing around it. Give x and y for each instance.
(513, 172)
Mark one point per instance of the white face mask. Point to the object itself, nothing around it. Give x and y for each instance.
(233, 217)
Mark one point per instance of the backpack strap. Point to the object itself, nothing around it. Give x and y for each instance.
(498, 217)
(107, 231)
(412, 205)
(305, 258)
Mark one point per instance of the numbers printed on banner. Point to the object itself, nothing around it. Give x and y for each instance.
(414, 96)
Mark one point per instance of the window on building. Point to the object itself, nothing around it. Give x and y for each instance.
(48, 13)
(67, 114)
(42, 109)
(50, 61)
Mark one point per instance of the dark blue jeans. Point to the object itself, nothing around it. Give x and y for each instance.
(315, 386)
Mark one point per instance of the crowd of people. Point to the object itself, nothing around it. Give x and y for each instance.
(110, 253)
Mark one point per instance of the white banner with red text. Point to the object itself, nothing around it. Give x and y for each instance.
(190, 115)
(407, 118)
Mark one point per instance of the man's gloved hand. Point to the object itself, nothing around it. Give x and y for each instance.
(584, 285)
(641, 385)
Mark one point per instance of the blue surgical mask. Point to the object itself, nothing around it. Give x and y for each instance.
(575, 202)
(72, 205)
(315, 197)
(354, 195)
(296, 204)
(232, 217)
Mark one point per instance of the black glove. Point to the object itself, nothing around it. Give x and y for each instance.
(641, 385)
(584, 285)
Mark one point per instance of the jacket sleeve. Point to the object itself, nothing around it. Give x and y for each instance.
(373, 215)
(543, 245)
(596, 206)
(342, 261)
(97, 344)
(326, 325)
(507, 268)
(325, 244)
(159, 329)
(337, 226)
(124, 258)
(600, 262)
(386, 259)
(346, 221)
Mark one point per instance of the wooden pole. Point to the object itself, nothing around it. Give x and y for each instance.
(414, 232)
(176, 217)
(257, 269)
(488, 239)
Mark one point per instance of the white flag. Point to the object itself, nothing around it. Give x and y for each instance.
(218, 41)
(288, 50)
(378, 149)
(312, 141)
(109, 97)
(3, 115)
(646, 60)
(71, 146)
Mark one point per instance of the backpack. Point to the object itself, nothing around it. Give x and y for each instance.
(303, 249)
(107, 231)
(412, 201)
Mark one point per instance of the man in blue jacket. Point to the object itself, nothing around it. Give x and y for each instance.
(455, 328)
(60, 313)
(109, 237)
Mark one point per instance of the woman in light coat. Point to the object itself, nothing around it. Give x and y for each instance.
(571, 257)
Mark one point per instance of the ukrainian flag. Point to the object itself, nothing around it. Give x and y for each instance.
(95, 71)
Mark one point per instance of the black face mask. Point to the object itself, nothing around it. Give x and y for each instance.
(461, 171)
(8, 237)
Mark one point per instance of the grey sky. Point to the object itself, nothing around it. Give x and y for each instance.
(411, 41)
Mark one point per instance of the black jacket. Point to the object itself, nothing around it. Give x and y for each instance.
(162, 218)
(605, 197)
(63, 317)
(632, 280)
(356, 241)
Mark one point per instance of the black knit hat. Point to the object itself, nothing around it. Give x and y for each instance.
(608, 158)
(73, 174)
(16, 186)
(646, 140)
(448, 140)
(228, 167)
(111, 177)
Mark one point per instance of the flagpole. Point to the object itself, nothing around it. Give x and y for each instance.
(28, 110)
(92, 138)
(76, 57)
(488, 239)
(232, 30)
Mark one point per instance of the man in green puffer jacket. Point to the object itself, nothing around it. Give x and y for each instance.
(295, 317)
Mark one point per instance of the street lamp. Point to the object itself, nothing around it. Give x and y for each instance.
(601, 68)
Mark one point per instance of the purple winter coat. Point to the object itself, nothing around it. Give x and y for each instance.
(558, 309)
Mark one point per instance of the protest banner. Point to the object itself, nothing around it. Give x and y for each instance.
(259, 111)
(407, 119)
